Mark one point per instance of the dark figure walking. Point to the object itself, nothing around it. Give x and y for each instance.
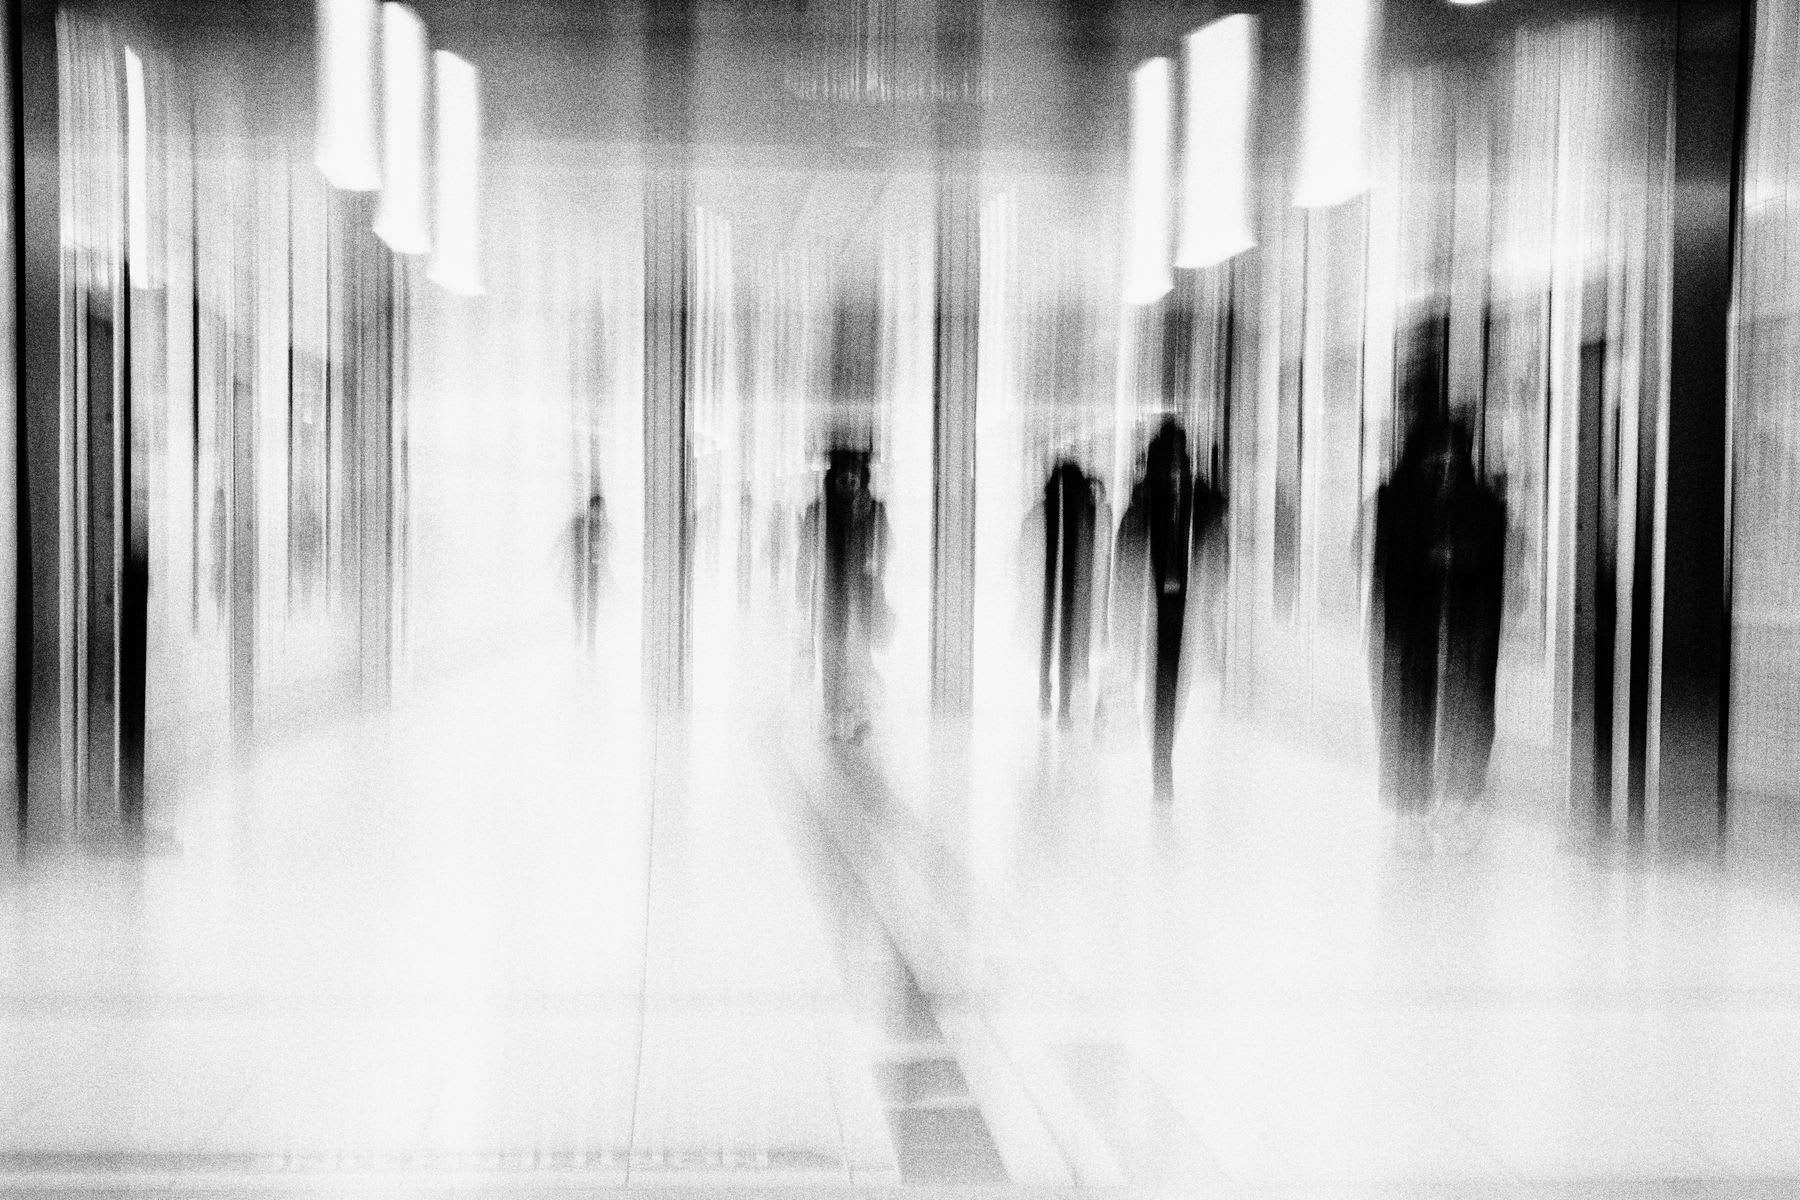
(843, 556)
(1438, 578)
(1167, 516)
(589, 551)
(1066, 637)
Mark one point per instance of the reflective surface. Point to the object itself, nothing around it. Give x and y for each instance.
(492, 935)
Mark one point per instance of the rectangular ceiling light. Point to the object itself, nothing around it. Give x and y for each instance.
(1220, 62)
(137, 172)
(1337, 52)
(457, 264)
(402, 221)
(1147, 271)
(347, 153)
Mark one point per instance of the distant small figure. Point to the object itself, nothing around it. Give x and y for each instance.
(221, 550)
(1436, 600)
(746, 548)
(1169, 514)
(588, 546)
(842, 563)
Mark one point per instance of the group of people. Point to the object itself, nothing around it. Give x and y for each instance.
(1150, 591)
(1437, 578)
(1133, 605)
(1136, 590)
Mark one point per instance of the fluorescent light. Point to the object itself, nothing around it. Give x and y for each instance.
(402, 221)
(1215, 193)
(457, 264)
(346, 152)
(137, 172)
(1337, 51)
(1147, 273)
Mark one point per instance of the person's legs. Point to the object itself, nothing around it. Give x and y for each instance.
(1047, 642)
(1408, 739)
(835, 665)
(860, 701)
(1170, 614)
(1465, 744)
(1065, 650)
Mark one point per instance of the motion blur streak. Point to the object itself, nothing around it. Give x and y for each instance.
(900, 598)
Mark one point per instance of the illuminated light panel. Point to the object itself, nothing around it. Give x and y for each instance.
(1337, 52)
(403, 220)
(347, 153)
(1220, 61)
(137, 171)
(1148, 276)
(457, 263)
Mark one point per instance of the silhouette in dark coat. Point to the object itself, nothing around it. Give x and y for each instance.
(588, 560)
(1439, 571)
(843, 556)
(1066, 636)
(1169, 515)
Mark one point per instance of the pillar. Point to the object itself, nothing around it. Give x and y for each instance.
(668, 370)
(1689, 685)
(43, 759)
(957, 294)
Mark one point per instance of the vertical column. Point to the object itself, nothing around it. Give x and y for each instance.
(241, 446)
(1691, 688)
(98, 543)
(1641, 481)
(668, 369)
(955, 346)
(134, 521)
(1592, 677)
(1287, 447)
(14, 583)
(1247, 362)
(360, 436)
(399, 376)
(37, 247)
(370, 311)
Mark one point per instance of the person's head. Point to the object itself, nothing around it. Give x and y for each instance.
(1437, 454)
(846, 473)
(1422, 351)
(596, 505)
(1166, 459)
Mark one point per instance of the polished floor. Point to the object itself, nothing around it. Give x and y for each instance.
(511, 939)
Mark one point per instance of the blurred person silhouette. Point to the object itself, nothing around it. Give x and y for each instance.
(1169, 514)
(1436, 582)
(1062, 552)
(221, 549)
(746, 547)
(842, 561)
(587, 556)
